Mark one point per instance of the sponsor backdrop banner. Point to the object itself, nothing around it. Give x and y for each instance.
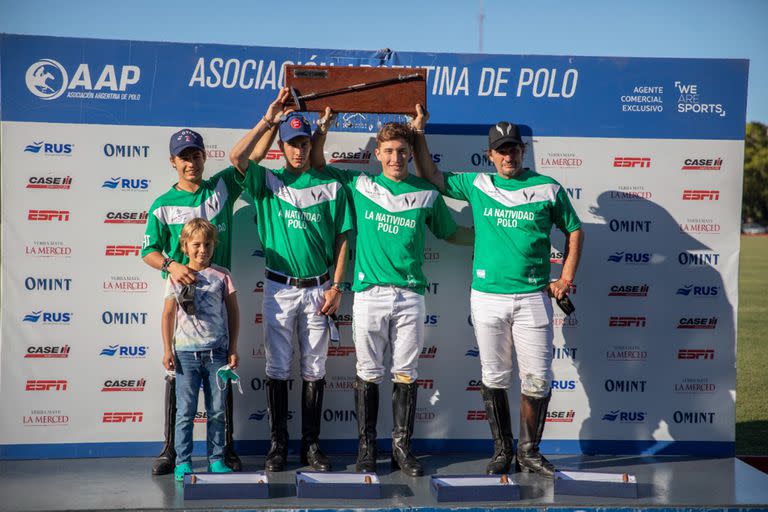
(650, 152)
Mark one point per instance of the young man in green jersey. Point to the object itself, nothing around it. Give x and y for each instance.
(190, 197)
(513, 211)
(392, 211)
(303, 222)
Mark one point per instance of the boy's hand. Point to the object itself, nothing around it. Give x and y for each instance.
(332, 302)
(181, 274)
(324, 123)
(168, 361)
(422, 116)
(233, 359)
(277, 108)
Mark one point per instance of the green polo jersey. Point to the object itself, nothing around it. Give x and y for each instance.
(299, 217)
(513, 220)
(212, 201)
(390, 217)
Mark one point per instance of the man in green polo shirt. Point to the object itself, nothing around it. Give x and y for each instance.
(392, 211)
(513, 210)
(304, 218)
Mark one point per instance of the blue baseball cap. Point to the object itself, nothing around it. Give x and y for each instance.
(295, 125)
(184, 139)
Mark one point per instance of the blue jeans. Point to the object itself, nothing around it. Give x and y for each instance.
(192, 369)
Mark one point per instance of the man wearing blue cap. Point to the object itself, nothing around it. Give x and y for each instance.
(303, 220)
(191, 197)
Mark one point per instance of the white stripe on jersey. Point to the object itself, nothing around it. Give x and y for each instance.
(183, 214)
(302, 197)
(394, 203)
(513, 198)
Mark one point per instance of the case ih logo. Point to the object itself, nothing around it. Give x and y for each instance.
(702, 164)
(428, 352)
(474, 384)
(425, 383)
(47, 352)
(697, 323)
(344, 157)
(561, 416)
(627, 321)
(124, 385)
(343, 320)
(701, 195)
(631, 161)
(50, 182)
(49, 215)
(122, 250)
(126, 217)
(123, 417)
(46, 385)
(630, 290)
(696, 353)
(477, 415)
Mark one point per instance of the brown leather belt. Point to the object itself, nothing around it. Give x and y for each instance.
(298, 282)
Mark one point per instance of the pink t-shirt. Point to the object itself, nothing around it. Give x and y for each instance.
(207, 328)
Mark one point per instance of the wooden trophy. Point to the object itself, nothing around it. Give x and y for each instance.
(357, 89)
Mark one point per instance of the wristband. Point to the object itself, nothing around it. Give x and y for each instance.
(270, 124)
(418, 131)
(567, 282)
(337, 287)
(166, 263)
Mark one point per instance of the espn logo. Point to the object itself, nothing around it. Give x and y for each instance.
(123, 417)
(631, 161)
(696, 353)
(627, 321)
(425, 383)
(475, 415)
(274, 154)
(49, 215)
(122, 250)
(701, 195)
(46, 385)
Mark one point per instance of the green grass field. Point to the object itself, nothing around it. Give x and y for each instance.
(752, 349)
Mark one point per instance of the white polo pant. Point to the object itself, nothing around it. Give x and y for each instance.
(524, 321)
(290, 311)
(388, 316)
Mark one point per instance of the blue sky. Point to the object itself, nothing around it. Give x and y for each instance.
(624, 28)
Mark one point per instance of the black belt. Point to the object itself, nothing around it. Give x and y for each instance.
(298, 282)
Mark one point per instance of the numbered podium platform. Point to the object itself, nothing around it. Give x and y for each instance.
(672, 483)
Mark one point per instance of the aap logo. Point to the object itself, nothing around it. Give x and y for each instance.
(47, 79)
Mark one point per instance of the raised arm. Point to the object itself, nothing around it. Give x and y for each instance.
(573, 244)
(245, 147)
(261, 149)
(317, 154)
(422, 160)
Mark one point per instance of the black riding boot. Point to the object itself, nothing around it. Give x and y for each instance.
(533, 415)
(230, 457)
(166, 461)
(497, 408)
(367, 409)
(277, 404)
(403, 416)
(311, 417)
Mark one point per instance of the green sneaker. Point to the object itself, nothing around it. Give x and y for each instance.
(218, 466)
(182, 469)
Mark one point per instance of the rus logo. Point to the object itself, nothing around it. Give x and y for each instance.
(119, 183)
(632, 258)
(625, 416)
(49, 148)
